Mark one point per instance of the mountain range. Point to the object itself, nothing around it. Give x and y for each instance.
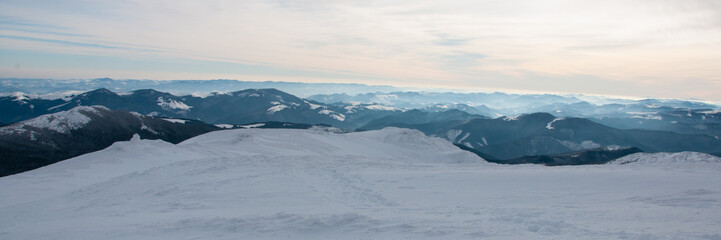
(239, 107)
(503, 138)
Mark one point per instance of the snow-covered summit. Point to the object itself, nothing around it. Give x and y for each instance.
(393, 144)
(61, 122)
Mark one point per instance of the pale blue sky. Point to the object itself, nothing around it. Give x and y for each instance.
(640, 48)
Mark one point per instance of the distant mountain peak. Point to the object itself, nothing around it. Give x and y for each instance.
(61, 122)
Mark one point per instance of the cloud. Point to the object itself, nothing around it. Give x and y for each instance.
(655, 44)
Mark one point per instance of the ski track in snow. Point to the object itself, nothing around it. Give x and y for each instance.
(388, 184)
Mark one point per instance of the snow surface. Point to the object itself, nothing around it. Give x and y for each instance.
(313, 106)
(333, 114)
(514, 118)
(379, 107)
(172, 104)
(174, 120)
(549, 125)
(313, 184)
(61, 122)
(277, 108)
(255, 125)
(224, 125)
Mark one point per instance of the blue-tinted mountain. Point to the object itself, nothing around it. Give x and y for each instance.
(181, 87)
(545, 134)
(240, 107)
(20, 107)
(416, 119)
(582, 157)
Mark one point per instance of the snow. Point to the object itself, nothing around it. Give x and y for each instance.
(576, 146)
(334, 115)
(464, 137)
(256, 125)
(313, 106)
(379, 107)
(549, 126)
(146, 128)
(61, 122)
(277, 108)
(453, 134)
(173, 120)
(172, 104)
(58, 106)
(224, 125)
(708, 112)
(313, 184)
(20, 97)
(510, 118)
(649, 117)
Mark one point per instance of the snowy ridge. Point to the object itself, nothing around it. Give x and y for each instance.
(393, 144)
(670, 160)
(61, 122)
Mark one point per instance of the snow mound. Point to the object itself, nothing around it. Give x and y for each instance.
(389, 144)
(670, 160)
(61, 122)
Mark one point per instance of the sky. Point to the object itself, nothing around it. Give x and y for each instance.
(639, 48)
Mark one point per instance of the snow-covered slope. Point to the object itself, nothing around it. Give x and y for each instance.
(391, 144)
(54, 137)
(679, 160)
(61, 122)
(313, 184)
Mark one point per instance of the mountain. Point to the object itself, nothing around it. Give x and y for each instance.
(261, 105)
(313, 184)
(414, 118)
(545, 134)
(479, 110)
(179, 87)
(241, 107)
(19, 106)
(648, 114)
(53, 137)
(683, 160)
(699, 121)
(583, 157)
(425, 99)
